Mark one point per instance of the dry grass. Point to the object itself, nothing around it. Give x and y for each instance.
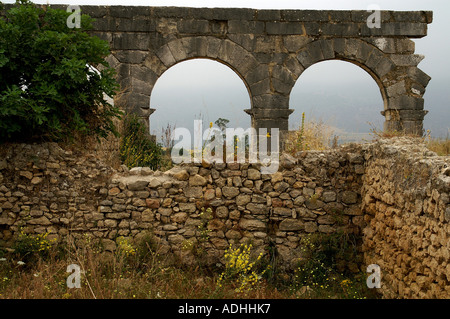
(441, 146)
(137, 272)
(134, 271)
(311, 135)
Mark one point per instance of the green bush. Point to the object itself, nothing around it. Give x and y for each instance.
(28, 246)
(48, 89)
(136, 147)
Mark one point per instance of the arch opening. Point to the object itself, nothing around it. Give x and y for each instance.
(198, 89)
(339, 98)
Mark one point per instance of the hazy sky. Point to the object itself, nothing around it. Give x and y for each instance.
(337, 92)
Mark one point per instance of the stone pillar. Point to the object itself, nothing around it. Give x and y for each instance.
(271, 118)
(406, 121)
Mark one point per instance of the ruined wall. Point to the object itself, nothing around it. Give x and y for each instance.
(406, 191)
(394, 196)
(46, 189)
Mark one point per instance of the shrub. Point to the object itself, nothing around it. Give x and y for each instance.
(49, 88)
(136, 147)
(28, 246)
(242, 268)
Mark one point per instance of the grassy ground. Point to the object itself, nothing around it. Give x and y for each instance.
(38, 269)
(439, 145)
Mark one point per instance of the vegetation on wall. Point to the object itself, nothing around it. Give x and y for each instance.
(137, 149)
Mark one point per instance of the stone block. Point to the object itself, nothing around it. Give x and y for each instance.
(396, 89)
(327, 49)
(260, 88)
(130, 41)
(193, 192)
(128, 12)
(282, 211)
(243, 199)
(404, 46)
(340, 29)
(233, 14)
(131, 56)
(418, 76)
(340, 16)
(197, 180)
(282, 28)
(413, 16)
(133, 25)
(137, 185)
(268, 15)
(166, 56)
(305, 15)
(258, 209)
(326, 229)
(291, 224)
(412, 30)
(213, 47)
(349, 197)
(312, 28)
(305, 59)
(245, 27)
(384, 67)
(247, 41)
(406, 102)
(192, 26)
(230, 192)
(252, 224)
(269, 100)
(329, 196)
(187, 207)
(179, 50)
(293, 43)
(407, 59)
(94, 11)
(258, 74)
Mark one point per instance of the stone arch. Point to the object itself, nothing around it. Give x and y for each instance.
(141, 78)
(355, 51)
(221, 50)
(403, 107)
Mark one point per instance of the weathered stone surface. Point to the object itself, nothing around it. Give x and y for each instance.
(230, 192)
(243, 200)
(349, 197)
(329, 196)
(152, 202)
(197, 180)
(195, 192)
(257, 209)
(187, 207)
(26, 174)
(282, 211)
(181, 175)
(291, 225)
(252, 224)
(138, 185)
(253, 174)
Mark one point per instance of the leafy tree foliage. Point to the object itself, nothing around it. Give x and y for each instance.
(48, 87)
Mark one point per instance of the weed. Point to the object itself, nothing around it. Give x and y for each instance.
(240, 267)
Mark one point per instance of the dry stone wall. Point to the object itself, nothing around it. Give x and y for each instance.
(393, 195)
(406, 192)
